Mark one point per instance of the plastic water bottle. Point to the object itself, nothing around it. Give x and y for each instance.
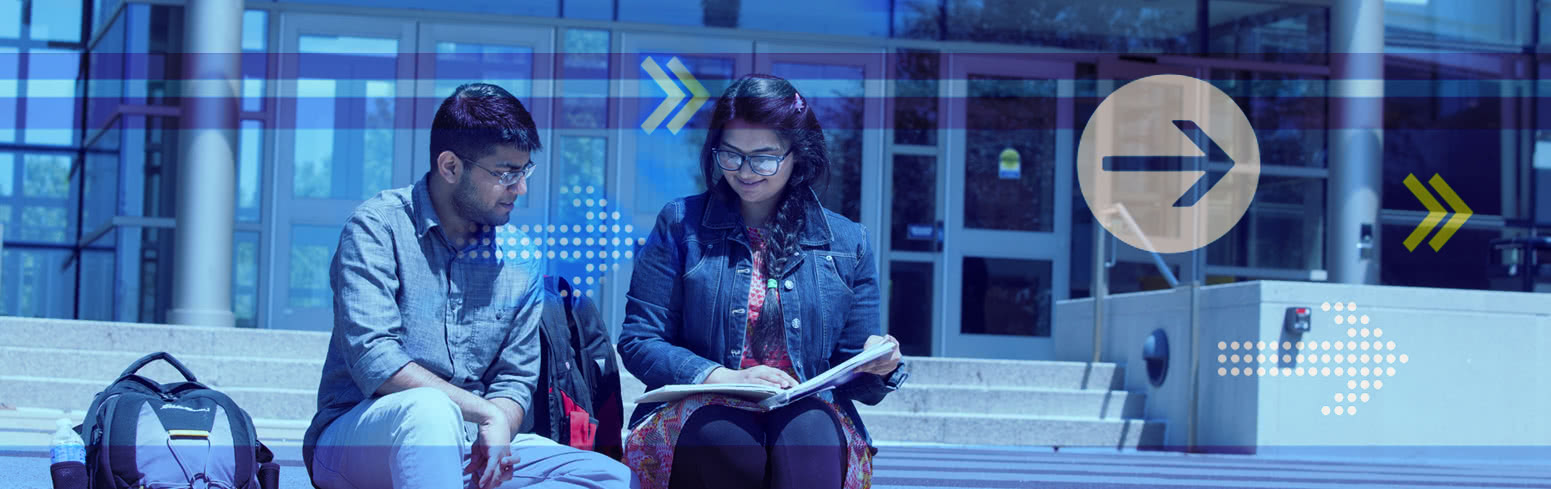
(68, 446)
(67, 457)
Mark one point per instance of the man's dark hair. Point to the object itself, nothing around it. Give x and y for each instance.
(479, 116)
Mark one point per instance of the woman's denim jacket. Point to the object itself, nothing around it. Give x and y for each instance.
(686, 312)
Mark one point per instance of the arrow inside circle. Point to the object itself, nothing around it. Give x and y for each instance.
(1208, 179)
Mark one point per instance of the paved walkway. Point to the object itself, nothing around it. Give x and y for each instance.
(921, 466)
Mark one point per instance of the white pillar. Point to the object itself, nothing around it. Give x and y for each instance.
(207, 156)
(1356, 140)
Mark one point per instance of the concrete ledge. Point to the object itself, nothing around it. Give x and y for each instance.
(149, 338)
(215, 371)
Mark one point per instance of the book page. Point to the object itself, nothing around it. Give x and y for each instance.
(834, 377)
(670, 393)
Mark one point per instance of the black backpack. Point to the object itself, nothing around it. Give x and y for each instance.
(140, 433)
(577, 401)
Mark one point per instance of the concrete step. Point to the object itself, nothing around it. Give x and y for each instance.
(1029, 374)
(216, 371)
(981, 429)
(73, 394)
(925, 398)
(148, 338)
(1005, 401)
(969, 372)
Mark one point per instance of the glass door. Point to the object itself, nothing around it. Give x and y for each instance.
(1133, 269)
(659, 143)
(344, 136)
(1011, 150)
(514, 58)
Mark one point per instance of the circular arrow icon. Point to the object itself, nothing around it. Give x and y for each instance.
(1168, 163)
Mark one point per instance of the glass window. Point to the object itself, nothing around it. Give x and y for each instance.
(44, 202)
(842, 17)
(250, 159)
(918, 19)
(10, 19)
(1460, 265)
(1284, 229)
(680, 12)
(345, 117)
(7, 174)
(1289, 114)
(255, 63)
(589, 9)
(584, 71)
(10, 86)
(1270, 31)
(1458, 21)
(671, 162)
(245, 265)
(1448, 122)
(535, 8)
(839, 97)
(910, 306)
(1010, 118)
(915, 203)
(583, 160)
(50, 98)
(915, 97)
(588, 240)
(312, 248)
(37, 284)
(101, 185)
(1006, 297)
(98, 287)
(1123, 26)
(56, 21)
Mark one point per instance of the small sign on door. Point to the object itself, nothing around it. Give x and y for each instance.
(1011, 164)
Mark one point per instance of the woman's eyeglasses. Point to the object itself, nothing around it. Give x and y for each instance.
(766, 165)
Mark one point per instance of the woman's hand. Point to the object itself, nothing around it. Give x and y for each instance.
(759, 374)
(885, 365)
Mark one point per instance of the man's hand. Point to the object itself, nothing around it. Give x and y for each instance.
(885, 365)
(492, 461)
(759, 374)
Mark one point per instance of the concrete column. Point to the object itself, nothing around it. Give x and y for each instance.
(1356, 140)
(207, 160)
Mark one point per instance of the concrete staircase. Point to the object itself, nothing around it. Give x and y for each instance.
(52, 368)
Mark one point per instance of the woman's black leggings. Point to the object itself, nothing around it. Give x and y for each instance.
(796, 446)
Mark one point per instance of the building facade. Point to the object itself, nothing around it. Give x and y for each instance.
(953, 126)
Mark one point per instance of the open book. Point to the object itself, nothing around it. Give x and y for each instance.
(770, 397)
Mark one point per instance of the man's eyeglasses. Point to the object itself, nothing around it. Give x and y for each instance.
(507, 178)
(766, 165)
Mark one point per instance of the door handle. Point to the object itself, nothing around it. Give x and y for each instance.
(941, 236)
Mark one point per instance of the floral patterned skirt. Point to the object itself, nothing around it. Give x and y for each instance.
(649, 448)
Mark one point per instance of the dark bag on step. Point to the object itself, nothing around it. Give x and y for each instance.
(141, 433)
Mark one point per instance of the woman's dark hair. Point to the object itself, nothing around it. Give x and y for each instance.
(771, 101)
(479, 116)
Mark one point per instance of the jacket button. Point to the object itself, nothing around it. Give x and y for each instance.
(737, 311)
(796, 324)
(829, 258)
(735, 352)
(790, 284)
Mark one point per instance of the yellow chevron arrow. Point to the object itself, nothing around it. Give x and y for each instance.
(1435, 213)
(1462, 212)
(674, 94)
(695, 88)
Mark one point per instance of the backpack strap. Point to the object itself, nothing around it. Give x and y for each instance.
(163, 356)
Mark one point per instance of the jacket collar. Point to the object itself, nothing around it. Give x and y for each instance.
(722, 213)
